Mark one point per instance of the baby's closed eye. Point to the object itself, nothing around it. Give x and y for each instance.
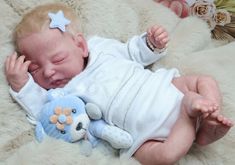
(59, 59)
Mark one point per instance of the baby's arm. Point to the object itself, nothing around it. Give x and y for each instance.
(23, 89)
(31, 98)
(136, 49)
(16, 71)
(149, 47)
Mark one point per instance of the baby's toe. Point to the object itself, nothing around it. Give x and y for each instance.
(216, 107)
(211, 109)
(228, 122)
(220, 118)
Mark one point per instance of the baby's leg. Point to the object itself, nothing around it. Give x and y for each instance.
(208, 88)
(195, 105)
(215, 126)
(173, 148)
(212, 128)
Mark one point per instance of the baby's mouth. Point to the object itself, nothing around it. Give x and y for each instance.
(59, 83)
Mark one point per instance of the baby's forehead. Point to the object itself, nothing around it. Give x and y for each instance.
(43, 38)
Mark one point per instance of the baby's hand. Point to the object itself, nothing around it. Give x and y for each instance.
(158, 36)
(16, 71)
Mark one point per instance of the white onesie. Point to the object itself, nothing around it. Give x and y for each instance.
(142, 102)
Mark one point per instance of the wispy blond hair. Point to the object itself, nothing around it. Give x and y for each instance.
(38, 20)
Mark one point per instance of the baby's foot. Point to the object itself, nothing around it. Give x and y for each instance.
(202, 106)
(212, 128)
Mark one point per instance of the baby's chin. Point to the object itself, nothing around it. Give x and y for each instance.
(59, 86)
(56, 86)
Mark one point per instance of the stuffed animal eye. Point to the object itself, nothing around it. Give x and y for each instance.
(62, 131)
(79, 126)
(74, 110)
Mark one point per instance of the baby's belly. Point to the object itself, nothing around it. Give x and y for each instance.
(153, 111)
(145, 121)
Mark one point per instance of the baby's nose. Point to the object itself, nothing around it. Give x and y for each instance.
(48, 72)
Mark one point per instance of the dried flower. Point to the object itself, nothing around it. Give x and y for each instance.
(222, 17)
(219, 15)
(203, 9)
(207, 11)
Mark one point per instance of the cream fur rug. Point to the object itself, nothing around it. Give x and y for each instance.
(190, 49)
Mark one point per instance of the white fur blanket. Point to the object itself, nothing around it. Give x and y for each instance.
(190, 49)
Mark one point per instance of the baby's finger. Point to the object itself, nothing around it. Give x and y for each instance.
(162, 36)
(25, 66)
(163, 44)
(153, 29)
(165, 40)
(7, 61)
(19, 62)
(156, 27)
(149, 32)
(159, 32)
(12, 61)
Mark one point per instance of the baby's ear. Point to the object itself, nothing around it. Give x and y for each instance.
(39, 132)
(81, 42)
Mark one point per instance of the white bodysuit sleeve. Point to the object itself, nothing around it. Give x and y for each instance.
(135, 49)
(140, 52)
(31, 97)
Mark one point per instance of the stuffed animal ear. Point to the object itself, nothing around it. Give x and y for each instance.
(39, 132)
(93, 111)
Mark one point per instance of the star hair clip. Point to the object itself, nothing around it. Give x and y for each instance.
(58, 20)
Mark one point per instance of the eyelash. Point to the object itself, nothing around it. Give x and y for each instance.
(59, 61)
